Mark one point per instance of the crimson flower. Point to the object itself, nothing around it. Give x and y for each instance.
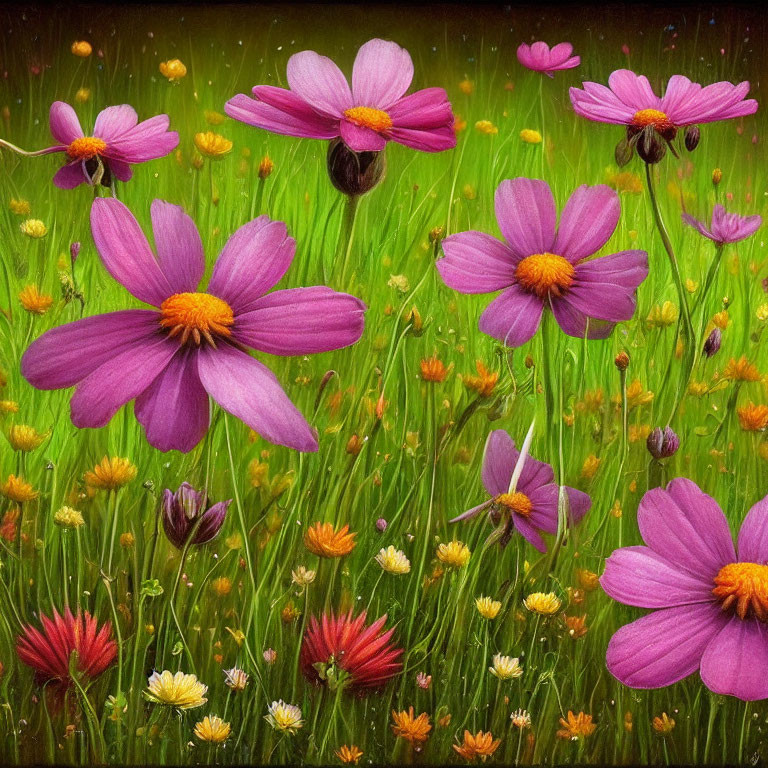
(343, 651)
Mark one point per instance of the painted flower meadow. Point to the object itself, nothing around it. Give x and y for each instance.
(383, 386)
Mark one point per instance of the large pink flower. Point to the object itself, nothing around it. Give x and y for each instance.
(540, 58)
(710, 605)
(321, 105)
(542, 266)
(118, 140)
(192, 345)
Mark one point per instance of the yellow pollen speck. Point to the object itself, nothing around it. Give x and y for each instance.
(743, 587)
(516, 502)
(368, 117)
(86, 147)
(197, 315)
(545, 274)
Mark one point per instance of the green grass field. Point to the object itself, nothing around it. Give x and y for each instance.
(418, 465)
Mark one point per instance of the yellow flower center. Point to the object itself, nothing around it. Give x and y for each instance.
(743, 587)
(516, 502)
(544, 274)
(86, 148)
(197, 315)
(649, 117)
(368, 117)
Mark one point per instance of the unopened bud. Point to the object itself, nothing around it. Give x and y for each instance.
(712, 344)
(436, 234)
(623, 152)
(662, 443)
(717, 176)
(692, 136)
(621, 361)
(354, 173)
(650, 146)
(381, 525)
(266, 166)
(74, 251)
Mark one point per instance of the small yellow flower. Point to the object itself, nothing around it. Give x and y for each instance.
(127, 540)
(543, 603)
(33, 301)
(111, 473)
(19, 490)
(174, 70)
(628, 722)
(66, 517)
(486, 127)
(455, 554)
(82, 48)
(284, 717)
(33, 228)
(624, 181)
(212, 117)
(664, 724)
(234, 541)
(258, 473)
(221, 586)
(590, 466)
(399, 283)
(82, 95)
(237, 635)
(717, 176)
(636, 395)
(212, 729)
(487, 607)
(762, 311)
(530, 136)
(9, 406)
(25, 438)
(466, 86)
(721, 319)
(266, 166)
(393, 561)
(236, 679)
(691, 285)
(349, 755)
(480, 745)
(468, 192)
(212, 145)
(321, 539)
(588, 580)
(576, 726)
(179, 691)
(23, 208)
(662, 316)
(505, 667)
(413, 729)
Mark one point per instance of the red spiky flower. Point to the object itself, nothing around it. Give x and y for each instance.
(343, 651)
(48, 652)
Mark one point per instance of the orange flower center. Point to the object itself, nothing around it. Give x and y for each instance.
(197, 315)
(368, 117)
(545, 273)
(86, 148)
(743, 587)
(515, 502)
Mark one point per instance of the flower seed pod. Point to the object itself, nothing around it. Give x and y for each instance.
(651, 147)
(712, 344)
(692, 136)
(662, 444)
(354, 173)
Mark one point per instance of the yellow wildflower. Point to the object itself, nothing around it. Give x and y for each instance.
(82, 48)
(505, 667)
(22, 207)
(486, 127)
(393, 561)
(33, 301)
(576, 726)
(212, 729)
(487, 607)
(25, 438)
(349, 755)
(33, 228)
(179, 691)
(455, 554)
(111, 473)
(19, 490)
(174, 70)
(543, 603)
(212, 145)
(530, 136)
(66, 517)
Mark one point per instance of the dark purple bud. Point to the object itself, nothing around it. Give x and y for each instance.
(183, 509)
(74, 251)
(662, 443)
(623, 152)
(381, 525)
(650, 146)
(354, 173)
(692, 136)
(712, 344)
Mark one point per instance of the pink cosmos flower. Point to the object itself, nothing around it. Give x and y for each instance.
(540, 266)
(192, 344)
(540, 58)
(725, 227)
(532, 508)
(118, 140)
(710, 605)
(321, 105)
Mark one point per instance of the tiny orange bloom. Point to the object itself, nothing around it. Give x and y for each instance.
(413, 729)
(576, 726)
(753, 418)
(321, 539)
(433, 369)
(480, 745)
(485, 381)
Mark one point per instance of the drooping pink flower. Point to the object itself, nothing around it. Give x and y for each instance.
(725, 227)
(531, 509)
(321, 105)
(118, 141)
(541, 267)
(192, 344)
(541, 58)
(710, 605)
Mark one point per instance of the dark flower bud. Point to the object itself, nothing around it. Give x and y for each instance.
(621, 361)
(662, 443)
(692, 136)
(712, 344)
(98, 172)
(74, 251)
(354, 173)
(650, 146)
(183, 509)
(623, 152)
(381, 525)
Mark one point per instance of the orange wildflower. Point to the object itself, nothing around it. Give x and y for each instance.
(321, 539)
(413, 729)
(480, 745)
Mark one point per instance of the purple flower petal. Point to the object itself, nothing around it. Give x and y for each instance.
(174, 408)
(665, 646)
(686, 527)
(148, 140)
(686, 103)
(634, 90)
(598, 103)
(753, 536)
(425, 140)
(302, 321)
(381, 74)
(247, 389)
(125, 252)
(178, 246)
(120, 169)
(639, 576)
(65, 355)
(361, 139)
(112, 122)
(735, 661)
(576, 323)
(253, 260)
(319, 82)
(499, 459)
(424, 121)
(70, 176)
(119, 380)
(527, 530)
(579, 503)
(512, 317)
(470, 513)
(280, 111)
(544, 513)
(65, 127)
(587, 222)
(476, 263)
(525, 212)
